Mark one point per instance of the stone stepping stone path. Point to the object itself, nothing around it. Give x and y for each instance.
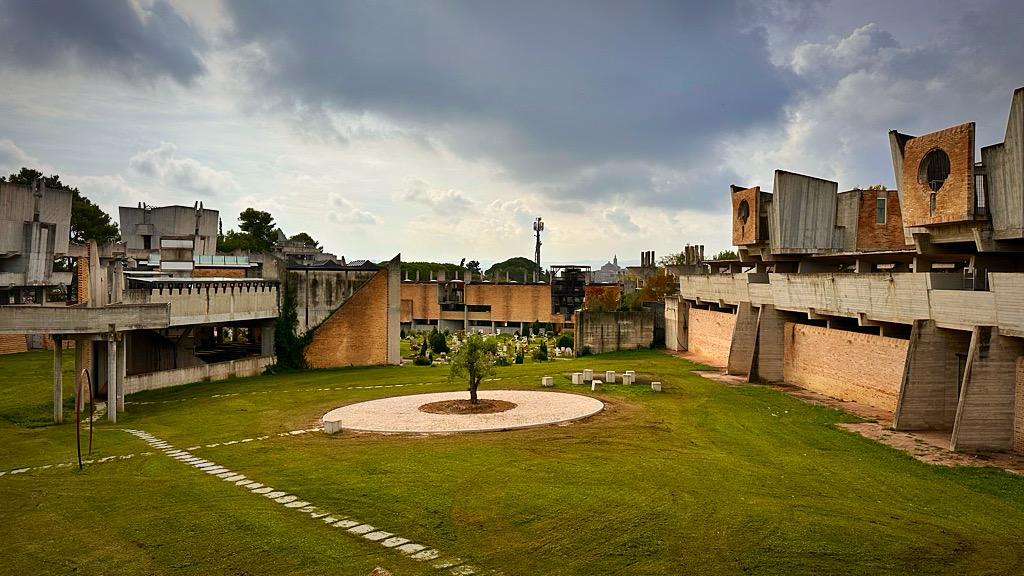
(355, 528)
(88, 462)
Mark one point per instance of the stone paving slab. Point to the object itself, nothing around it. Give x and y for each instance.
(401, 414)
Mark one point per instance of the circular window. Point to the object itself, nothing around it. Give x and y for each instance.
(743, 212)
(934, 169)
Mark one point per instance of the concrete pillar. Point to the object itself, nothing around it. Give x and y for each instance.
(930, 387)
(769, 351)
(267, 338)
(58, 380)
(122, 356)
(112, 379)
(985, 413)
(744, 340)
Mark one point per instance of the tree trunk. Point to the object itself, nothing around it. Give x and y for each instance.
(472, 391)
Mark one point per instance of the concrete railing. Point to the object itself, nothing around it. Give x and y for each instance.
(893, 297)
(203, 373)
(211, 302)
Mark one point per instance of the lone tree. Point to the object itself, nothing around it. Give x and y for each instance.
(475, 361)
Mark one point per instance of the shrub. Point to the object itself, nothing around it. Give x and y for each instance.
(438, 342)
(585, 351)
(422, 360)
(541, 353)
(520, 357)
(502, 361)
(565, 339)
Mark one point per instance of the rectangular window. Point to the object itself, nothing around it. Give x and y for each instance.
(979, 194)
(147, 242)
(880, 206)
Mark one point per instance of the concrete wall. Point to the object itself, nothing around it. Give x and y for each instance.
(613, 331)
(846, 365)
(211, 272)
(1004, 167)
(675, 323)
(203, 373)
(161, 221)
(744, 340)
(931, 379)
(318, 293)
(214, 303)
(710, 334)
(364, 330)
(1018, 409)
(805, 214)
(985, 414)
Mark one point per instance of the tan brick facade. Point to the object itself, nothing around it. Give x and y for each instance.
(508, 302)
(745, 224)
(207, 272)
(710, 334)
(356, 334)
(1018, 410)
(82, 271)
(846, 365)
(953, 201)
(872, 236)
(13, 343)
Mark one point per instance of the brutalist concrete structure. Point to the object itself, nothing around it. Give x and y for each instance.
(910, 300)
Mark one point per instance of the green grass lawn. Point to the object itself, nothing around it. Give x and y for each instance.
(701, 479)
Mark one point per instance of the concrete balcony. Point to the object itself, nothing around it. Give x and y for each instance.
(82, 320)
(881, 297)
(208, 301)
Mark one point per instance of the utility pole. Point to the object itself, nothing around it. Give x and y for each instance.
(538, 227)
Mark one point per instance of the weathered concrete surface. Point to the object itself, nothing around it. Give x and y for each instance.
(931, 379)
(206, 372)
(613, 331)
(82, 320)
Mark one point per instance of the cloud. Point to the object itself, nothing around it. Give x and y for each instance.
(547, 92)
(13, 158)
(449, 202)
(163, 164)
(344, 211)
(114, 35)
(620, 220)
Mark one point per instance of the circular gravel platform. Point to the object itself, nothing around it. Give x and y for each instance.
(402, 413)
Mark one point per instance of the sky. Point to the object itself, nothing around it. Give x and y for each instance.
(440, 130)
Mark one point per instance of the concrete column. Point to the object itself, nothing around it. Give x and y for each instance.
(985, 413)
(267, 338)
(931, 378)
(112, 379)
(58, 380)
(769, 353)
(122, 356)
(744, 341)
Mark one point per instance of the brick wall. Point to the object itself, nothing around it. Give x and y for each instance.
(874, 236)
(13, 343)
(356, 334)
(710, 334)
(845, 365)
(745, 232)
(952, 201)
(508, 302)
(208, 272)
(82, 279)
(1018, 410)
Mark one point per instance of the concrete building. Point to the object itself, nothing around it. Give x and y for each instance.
(909, 301)
(168, 237)
(35, 227)
(492, 307)
(608, 273)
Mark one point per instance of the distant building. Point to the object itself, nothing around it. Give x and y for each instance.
(168, 238)
(35, 225)
(609, 272)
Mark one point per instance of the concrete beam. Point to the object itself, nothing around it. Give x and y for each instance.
(76, 320)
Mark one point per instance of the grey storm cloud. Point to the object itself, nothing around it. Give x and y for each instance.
(547, 90)
(108, 34)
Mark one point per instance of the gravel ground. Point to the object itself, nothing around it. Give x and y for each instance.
(402, 414)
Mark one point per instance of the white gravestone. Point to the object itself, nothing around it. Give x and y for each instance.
(595, 385)
(656, 386)
(588, 375)
(609, 376)
(547, 381)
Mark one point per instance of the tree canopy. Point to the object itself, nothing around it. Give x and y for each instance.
(475, 361)
(88, 220)
(516, 266)
(257, 233)
(306, 239)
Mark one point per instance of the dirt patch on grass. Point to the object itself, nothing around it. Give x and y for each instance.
(483, 406)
